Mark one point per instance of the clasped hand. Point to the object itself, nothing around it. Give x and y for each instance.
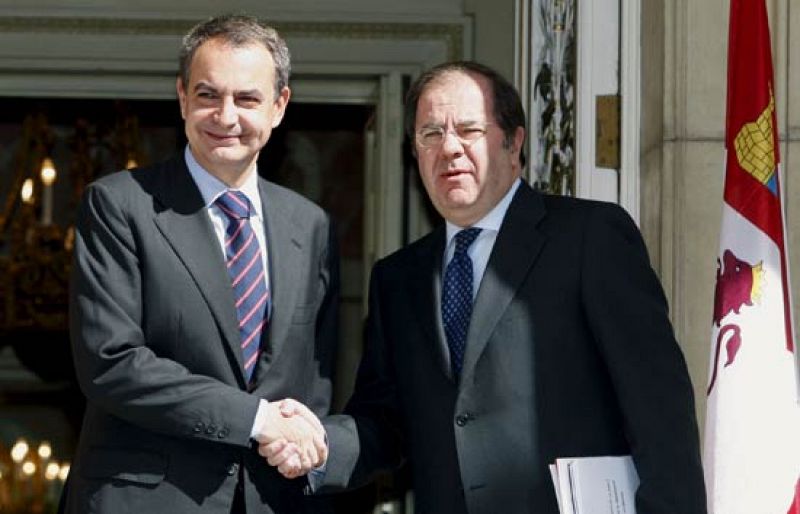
(292, 438)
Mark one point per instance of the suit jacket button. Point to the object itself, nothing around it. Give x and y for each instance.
(222, 434)
(210, 429)
(198, 427)
(463, 419)
(233, 469)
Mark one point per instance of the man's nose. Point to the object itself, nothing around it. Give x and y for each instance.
(227, 113)
(451, 144)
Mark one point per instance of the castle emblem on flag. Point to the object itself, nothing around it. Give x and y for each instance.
(738, 284)
(755, 151)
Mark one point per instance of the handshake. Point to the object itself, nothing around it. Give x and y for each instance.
(292, 438)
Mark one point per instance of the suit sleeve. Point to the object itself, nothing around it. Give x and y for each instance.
(116, 369)
(368, 437)
(327, 325)
(628, 314)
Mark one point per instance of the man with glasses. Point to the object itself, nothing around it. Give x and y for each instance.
(527, 328)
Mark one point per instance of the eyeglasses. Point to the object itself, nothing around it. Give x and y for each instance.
(433, 137)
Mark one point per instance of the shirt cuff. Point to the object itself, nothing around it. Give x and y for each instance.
(316, 477)
(261, 415)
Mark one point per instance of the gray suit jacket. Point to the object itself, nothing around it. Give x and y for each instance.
(156, 346)
(569, 353)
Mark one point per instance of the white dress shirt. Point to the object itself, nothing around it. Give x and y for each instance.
(480, 250)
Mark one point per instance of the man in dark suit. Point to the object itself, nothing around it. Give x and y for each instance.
(203, 295)
(528, 328)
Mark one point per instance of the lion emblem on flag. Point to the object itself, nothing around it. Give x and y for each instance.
(738, 284)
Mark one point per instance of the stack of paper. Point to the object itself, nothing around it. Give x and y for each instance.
(595, 485)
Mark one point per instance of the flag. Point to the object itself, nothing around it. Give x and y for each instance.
(752, 437)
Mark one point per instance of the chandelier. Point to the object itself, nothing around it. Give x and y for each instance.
(37, 232)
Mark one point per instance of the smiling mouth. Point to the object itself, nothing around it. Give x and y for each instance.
(453, 173)
(223, 137)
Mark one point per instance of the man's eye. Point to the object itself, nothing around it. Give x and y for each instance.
(431, 138)
(248, 101)
(430, 134)
(474, 131)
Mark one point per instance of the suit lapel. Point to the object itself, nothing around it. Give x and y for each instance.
(515, 250)
(285, 253)
(427, 278)
(186, 227)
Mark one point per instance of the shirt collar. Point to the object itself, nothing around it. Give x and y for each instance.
(211, 187)
(492, 220)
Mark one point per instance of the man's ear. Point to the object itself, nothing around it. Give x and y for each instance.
(280, 104)
(519, 138)
(516, 145)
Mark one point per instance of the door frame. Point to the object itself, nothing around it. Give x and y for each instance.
(596, 74)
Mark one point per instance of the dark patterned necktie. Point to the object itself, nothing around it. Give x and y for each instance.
(457, 298)
(246, 269)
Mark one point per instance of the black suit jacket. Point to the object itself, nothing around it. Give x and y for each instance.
(569, 353)
(156, 346)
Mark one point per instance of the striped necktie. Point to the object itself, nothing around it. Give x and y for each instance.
(457, 298)
(246, 269)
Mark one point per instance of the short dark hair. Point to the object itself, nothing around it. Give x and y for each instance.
(236, 30)
(508, 111)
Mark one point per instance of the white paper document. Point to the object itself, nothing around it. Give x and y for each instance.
(595, 485)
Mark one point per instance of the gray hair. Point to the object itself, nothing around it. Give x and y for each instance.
(237, 31)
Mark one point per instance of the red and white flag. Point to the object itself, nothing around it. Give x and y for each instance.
(752, 438)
